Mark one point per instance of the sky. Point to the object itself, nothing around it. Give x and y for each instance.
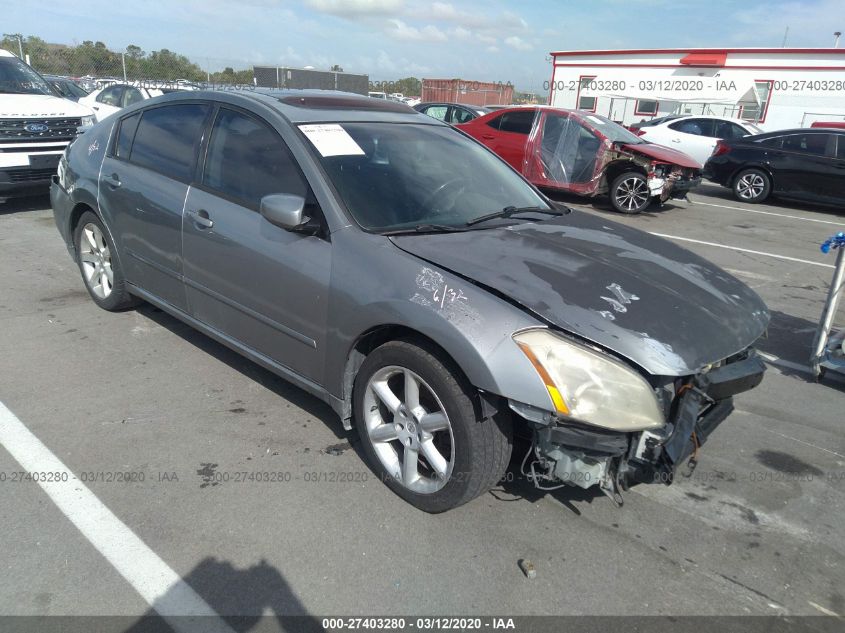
(490, 40)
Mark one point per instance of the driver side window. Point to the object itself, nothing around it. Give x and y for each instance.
(247, 160)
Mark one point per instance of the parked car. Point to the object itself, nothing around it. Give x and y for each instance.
(803, 164)
(391, 266)
(696, 136)
(66, 87)
(454, 113)
(36, 125)
(114, 97)
(656, 121)
(586, 154)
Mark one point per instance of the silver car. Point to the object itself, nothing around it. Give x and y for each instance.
(397, 269)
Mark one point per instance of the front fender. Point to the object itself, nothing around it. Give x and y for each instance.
(471, 324)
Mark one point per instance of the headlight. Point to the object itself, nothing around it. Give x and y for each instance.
(588, 386)
(87, 121)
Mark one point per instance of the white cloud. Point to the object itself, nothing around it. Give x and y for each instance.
(517, 43)
(397, 29)
(352, 9)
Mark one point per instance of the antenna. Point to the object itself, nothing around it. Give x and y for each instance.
(836, 39)
(785, 33)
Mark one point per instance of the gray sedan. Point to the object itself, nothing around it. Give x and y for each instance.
(395, 268)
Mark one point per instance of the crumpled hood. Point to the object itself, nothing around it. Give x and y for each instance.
(664, 154)
(640, 296)
(16, 106)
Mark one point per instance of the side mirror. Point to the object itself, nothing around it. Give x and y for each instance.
(284, 210)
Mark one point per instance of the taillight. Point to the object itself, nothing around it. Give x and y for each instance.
(721, 148)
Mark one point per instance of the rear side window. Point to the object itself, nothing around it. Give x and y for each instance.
(698, 127)
(517, 122)
(167, 139)
(125, 135)
(247, 160)
(437, 112)
(806, 143)
(775, 142)
(132, 95)
(111, 96)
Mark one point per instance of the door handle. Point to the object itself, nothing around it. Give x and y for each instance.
(201, 218)
(487, 137)
(675, 140)
(96, 107)
(112, 181)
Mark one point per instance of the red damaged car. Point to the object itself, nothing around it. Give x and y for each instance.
(586, 154)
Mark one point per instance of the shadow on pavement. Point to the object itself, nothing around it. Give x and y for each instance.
(30, 203)
(256, 599)
(296, 396)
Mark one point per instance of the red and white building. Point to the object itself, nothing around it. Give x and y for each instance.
(776, 87)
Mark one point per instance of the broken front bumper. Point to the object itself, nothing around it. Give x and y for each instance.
(583, 455)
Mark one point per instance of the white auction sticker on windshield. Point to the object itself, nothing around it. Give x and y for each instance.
(595, 119)
(331, 139)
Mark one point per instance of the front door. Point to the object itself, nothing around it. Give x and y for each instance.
(261, 285)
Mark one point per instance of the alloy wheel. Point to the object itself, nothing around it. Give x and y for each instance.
(409, 429)
(95, 256)
(632, 193)
(750, 186)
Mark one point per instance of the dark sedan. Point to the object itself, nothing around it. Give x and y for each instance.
(454, 113)
(802, 164)
(398, 270)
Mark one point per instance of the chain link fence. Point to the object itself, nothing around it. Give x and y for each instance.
(93, 65)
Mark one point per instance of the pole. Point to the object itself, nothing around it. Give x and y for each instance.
(20, 45)
(123, 61)
(785, 33)
(823, 333)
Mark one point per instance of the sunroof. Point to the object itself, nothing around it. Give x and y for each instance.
(345, 103)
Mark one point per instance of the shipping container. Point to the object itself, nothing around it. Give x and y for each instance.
(469, 92)
(305, 78)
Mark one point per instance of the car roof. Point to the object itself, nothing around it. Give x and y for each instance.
(453, 103)
(312, 106)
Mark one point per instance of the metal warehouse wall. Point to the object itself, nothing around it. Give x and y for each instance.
(283, 77)
(469, 92)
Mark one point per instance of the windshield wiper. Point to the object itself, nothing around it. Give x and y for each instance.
(425, 228)
(511, 211)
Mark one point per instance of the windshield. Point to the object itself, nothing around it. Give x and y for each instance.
(395, 176)
(613, 131)
(18, 78)
(68, 88)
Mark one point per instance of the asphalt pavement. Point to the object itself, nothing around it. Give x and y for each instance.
(238, 493)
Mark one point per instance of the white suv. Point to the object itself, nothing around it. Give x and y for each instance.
(695, 136)
(36, 125)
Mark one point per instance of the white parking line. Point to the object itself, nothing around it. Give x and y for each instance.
(151, 577)
(780, 215)
(743, 250)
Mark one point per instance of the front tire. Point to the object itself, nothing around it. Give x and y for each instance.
(752, 186)
(422, 432)
(629, 193)
(100, 268)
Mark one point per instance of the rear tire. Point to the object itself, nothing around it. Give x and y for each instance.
(99, 265)
(421, 430)
(629, 193)
(752, 186)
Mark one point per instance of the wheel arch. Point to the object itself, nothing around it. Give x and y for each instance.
(764, 168)
(378, 335)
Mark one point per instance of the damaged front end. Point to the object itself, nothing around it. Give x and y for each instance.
(666, 180)
(568, 452)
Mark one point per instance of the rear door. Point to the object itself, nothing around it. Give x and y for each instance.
(507, 135)
(261, 285)
(806, 166)
(143, 185)
(695, 137)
